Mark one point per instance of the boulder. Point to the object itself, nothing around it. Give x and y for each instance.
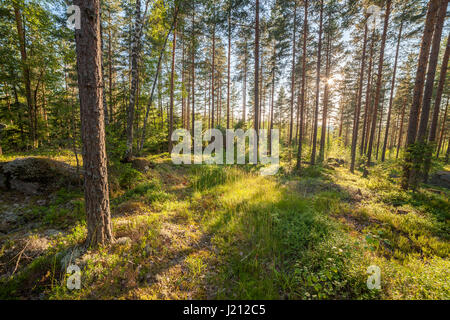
(441, 179)
(37, 175)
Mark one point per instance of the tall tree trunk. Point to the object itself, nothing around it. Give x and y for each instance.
(400, 134)
(379, 79)
(135, 47)
(433, 7)
(158, 68)
(380, 124)
(442, 131)
(110, 72)
(325, 101)
(391, 98)
(244, 86)
(256, 91)
(447, 155)
(88, 48)
(172, 80)
(439, 91)
(368, 97)
(193, 69)
(434, 55)
(26, 72)
(212, 69)
(291, 124)
(316, 109)
(358, 104)
(271, 104)
(228, 67)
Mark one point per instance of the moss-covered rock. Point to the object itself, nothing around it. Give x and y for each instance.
(37, 175)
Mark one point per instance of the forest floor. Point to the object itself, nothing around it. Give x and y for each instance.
(225, 232)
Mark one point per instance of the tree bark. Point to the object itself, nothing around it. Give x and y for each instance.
(26, 72)
(212, 69)
(358, 103)
(256, 91)
(442, 131)
(391, 98)
(193, 70)
(90, 83)
(158, 68)
(379, 79)
(325, 101)
(429, 90)
(316, 109)
(433, 7)
(291, 124)
(400, 134)
(172, 76)
(228, 67)
(135, 47)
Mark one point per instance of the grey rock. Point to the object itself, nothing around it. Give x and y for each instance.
(441, 179)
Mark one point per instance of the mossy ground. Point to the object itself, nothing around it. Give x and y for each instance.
(213, 232)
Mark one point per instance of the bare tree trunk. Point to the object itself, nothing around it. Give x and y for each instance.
(433, 7)
(380, 124)
(368, 98)
(26, 72)
(158, 68)
(442, 131)
(193, 71)
(244, 86)
(391, 99)
(172, 76)
(135, 47)
(316, 109)
(358, 104)
(291, 124)
(256, 119)
(228, 67)
(110, 73)
(439, 91)
(325, 101)
(379, 79)
(212, 69)
(88, 48)
(429, 89)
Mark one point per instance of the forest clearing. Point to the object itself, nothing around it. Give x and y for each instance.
(346, 99)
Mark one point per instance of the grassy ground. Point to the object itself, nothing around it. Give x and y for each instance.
(208, 232)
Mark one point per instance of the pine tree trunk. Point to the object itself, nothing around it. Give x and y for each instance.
(244, 86)
(442, 131)
(212, 70)
(379, 79)
(358, 104)
(172, 76)
(256, 91)
(433, 7)
(429, 91)
(135, 47)
(26, 72)
(155, 80)
(316, 108)
(391, 98)
(291, 124)
(88, 49)
(325, 101)
(193, 71)
(228, 67)
(368, 98)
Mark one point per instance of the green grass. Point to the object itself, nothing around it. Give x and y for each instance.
(226, 232)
